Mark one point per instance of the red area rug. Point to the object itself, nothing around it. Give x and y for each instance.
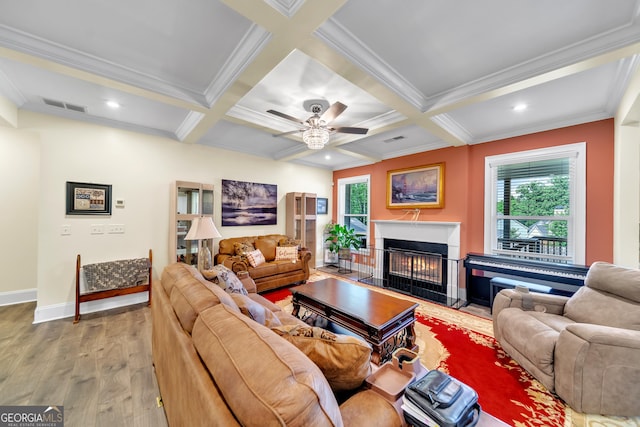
(505, 390)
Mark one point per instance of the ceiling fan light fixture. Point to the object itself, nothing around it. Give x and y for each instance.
(315, 138)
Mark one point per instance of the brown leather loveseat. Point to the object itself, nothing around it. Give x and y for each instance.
(276, 271)
(217, 367)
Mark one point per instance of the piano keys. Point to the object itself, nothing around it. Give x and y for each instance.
(564, 279)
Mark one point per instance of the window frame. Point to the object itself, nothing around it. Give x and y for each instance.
(342, 183)
(576, 220)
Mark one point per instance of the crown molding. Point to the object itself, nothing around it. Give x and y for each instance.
(385, 119)
(544, 126)
(41, 48)
(188, 124)
(452, 127)
(249, 47)
(286, 7)
(8, 89)
(604, 46)
(342, 40)
(84, 117)
(288, 153)
(416, 150)
(625, 71)
(265, 119)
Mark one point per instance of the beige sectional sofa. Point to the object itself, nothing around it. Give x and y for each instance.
(274, 272)
(217, 367)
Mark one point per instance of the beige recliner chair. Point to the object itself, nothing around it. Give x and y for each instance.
(586, 348)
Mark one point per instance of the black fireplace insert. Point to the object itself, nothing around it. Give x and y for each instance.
(416, 268)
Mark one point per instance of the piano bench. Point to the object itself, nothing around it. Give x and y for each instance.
(498, 283)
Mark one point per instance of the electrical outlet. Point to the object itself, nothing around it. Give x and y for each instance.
(65, 230)
(97, 228)
(116, 229)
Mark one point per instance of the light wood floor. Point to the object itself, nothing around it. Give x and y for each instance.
(100, 369)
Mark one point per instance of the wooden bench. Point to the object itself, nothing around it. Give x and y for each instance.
(113, 278)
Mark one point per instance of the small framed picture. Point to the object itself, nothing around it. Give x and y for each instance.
(88, 199)
(322, 204)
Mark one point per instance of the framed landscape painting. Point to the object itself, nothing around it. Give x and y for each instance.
(249, 203)
(416, 188)
(88, 199)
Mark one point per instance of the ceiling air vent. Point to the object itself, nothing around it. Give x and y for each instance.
(394, 139)
(65, 105)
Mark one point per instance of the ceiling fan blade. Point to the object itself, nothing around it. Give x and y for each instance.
(289, 133)
(348, 129)
(334, 111)
(285, 116)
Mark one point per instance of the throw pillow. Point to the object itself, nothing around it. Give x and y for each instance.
(242, 248)
(228, 280)
(286, 241)
(255, 258)
(256, 311)
(344, 360)
(286, 253)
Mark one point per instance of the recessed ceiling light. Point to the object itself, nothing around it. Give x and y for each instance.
(113, 104)
(520, 107)
(327, 157)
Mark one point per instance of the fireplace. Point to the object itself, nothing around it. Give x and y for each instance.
(428, 264)
(416, 268)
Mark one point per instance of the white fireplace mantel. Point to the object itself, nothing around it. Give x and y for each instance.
(420, 231)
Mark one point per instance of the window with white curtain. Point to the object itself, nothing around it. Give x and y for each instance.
(535, 204)
(353, 205)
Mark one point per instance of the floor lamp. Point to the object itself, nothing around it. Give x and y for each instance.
(203, 228)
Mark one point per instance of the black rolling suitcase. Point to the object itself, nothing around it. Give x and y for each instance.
(438, 399)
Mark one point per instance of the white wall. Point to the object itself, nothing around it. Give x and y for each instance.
(626, 201)
(19, 193)
(141, 169)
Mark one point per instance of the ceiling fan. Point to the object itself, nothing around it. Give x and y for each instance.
(317, 129)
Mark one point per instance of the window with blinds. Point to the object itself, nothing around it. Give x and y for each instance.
(535, 205)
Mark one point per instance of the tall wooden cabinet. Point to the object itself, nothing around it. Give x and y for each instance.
(301, 221)
(189, 200)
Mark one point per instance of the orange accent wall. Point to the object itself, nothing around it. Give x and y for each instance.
(464, 184)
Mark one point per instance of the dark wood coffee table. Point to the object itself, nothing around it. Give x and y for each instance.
(383, 321)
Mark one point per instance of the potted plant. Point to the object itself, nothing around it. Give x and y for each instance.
(341, 239)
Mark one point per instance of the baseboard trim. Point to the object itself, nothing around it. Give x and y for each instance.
(18, 297)
(68, 309)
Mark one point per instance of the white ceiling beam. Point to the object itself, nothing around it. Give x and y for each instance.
(444, 106)
(287, 35)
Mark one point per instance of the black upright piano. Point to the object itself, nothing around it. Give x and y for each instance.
(564, 279)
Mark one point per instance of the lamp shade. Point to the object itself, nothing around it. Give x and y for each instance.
(202, 228)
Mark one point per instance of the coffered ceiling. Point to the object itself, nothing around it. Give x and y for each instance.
(419, 74)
